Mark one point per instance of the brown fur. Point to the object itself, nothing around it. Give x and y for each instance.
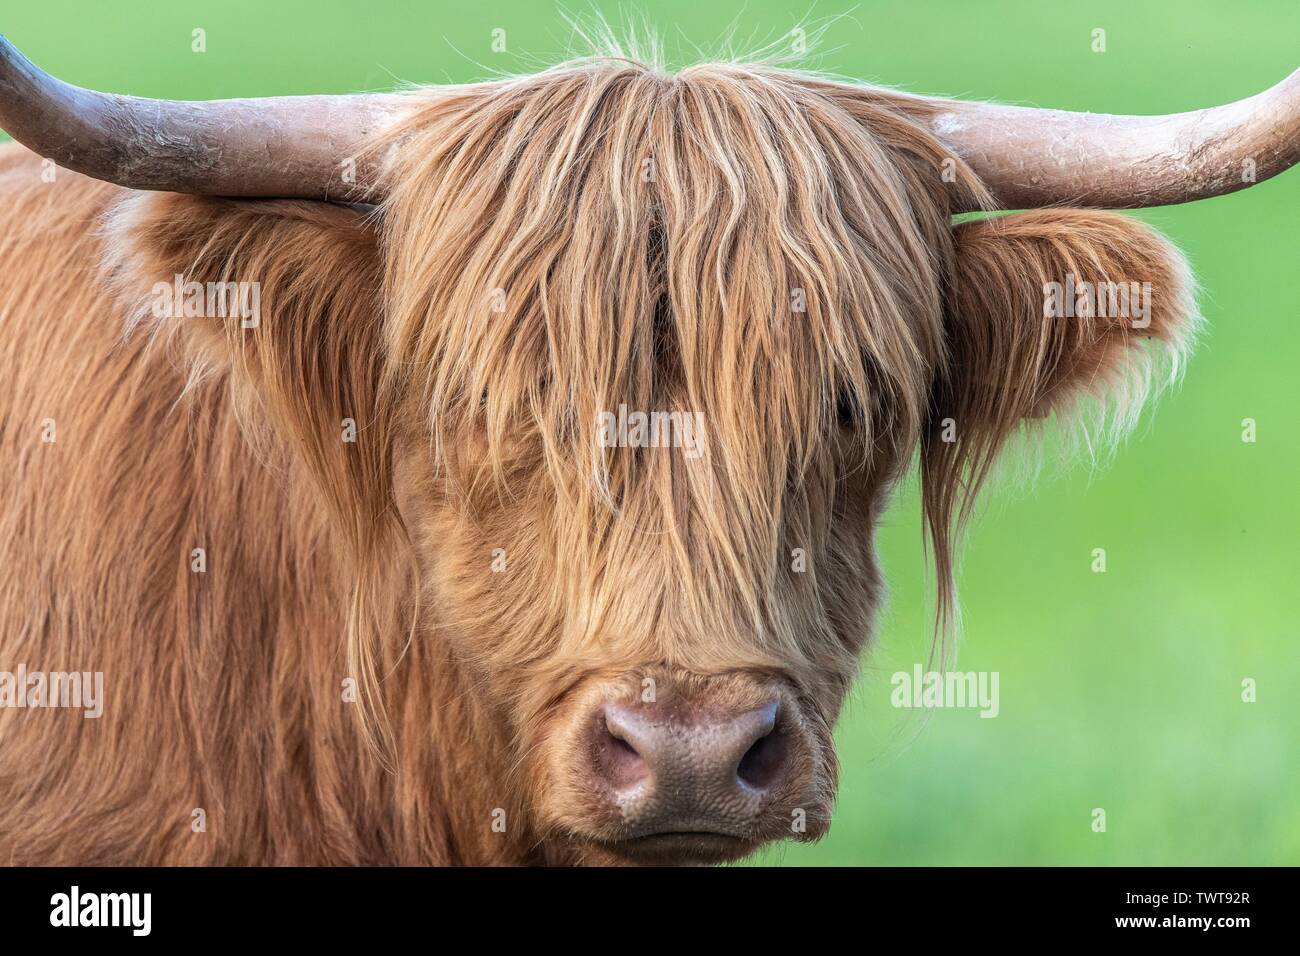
(372, 559)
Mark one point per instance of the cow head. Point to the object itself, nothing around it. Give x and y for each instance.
(661, 625)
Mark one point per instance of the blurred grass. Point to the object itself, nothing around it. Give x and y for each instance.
(1119, 690)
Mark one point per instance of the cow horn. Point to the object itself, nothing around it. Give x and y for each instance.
(300, 146)
(1037, 157)
(286, 146)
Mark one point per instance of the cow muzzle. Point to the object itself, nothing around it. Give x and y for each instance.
(702, 776)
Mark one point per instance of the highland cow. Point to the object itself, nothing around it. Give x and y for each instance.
(363, 584)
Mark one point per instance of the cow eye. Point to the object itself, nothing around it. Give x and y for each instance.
(847, 410)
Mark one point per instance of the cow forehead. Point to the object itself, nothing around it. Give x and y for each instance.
(579, 256)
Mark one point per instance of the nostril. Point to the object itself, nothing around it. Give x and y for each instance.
(621, 764)
(695, 753)
(763, 762)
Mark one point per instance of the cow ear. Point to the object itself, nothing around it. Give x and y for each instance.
(279, 302)
(1046, 309)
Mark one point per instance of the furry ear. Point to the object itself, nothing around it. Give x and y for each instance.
(283, 299)
(307, 362)
(1045, 308)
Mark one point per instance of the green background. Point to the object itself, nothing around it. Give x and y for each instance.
(1119, 691)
